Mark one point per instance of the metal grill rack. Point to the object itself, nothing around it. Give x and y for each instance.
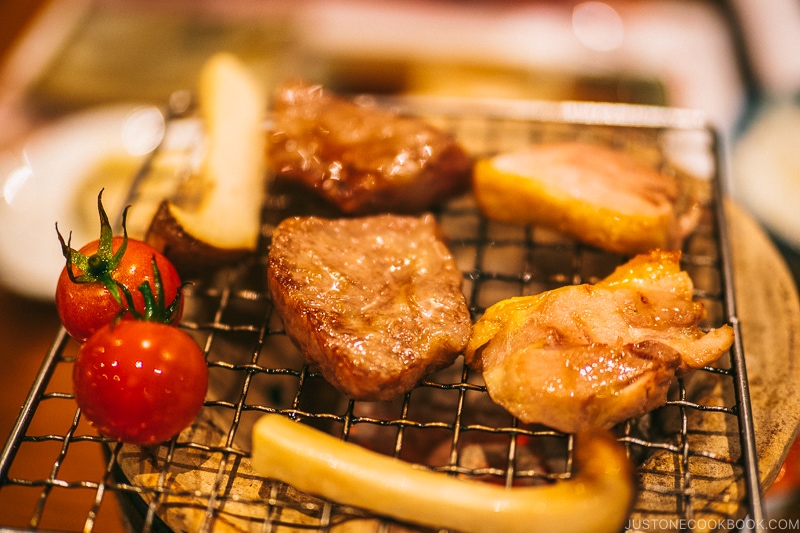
(695, 458)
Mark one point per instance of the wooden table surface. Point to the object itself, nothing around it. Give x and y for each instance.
(14, 16)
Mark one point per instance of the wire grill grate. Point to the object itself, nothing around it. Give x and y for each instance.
(689, 456)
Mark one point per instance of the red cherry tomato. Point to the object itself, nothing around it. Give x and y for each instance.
(140, 382)
(86, 307)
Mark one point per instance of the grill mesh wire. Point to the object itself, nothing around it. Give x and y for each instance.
(202, 479)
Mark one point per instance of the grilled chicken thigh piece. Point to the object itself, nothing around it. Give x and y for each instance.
(595, 355)
(599, 195)
(375, 302)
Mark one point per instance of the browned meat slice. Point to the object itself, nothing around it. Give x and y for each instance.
(600, 195)
(362, 159)
(374, 302)
(595, 355)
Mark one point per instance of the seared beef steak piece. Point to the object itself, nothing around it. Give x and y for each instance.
(374, 302)
(362, 159)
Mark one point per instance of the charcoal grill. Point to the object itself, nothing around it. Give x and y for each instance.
(696, 462)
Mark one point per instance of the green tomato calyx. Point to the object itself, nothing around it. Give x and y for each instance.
(98, 267)
(155, 309)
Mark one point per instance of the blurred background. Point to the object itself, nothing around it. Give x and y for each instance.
(67, 68)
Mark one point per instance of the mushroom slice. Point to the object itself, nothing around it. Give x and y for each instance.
(216, 216)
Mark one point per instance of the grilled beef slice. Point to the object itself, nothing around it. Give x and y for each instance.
(374, 302)
(362, 159)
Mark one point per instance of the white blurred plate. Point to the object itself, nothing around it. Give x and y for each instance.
(766, 169)
(55, 176)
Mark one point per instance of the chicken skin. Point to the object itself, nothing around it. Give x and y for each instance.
(584, 356)
(597, 194)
